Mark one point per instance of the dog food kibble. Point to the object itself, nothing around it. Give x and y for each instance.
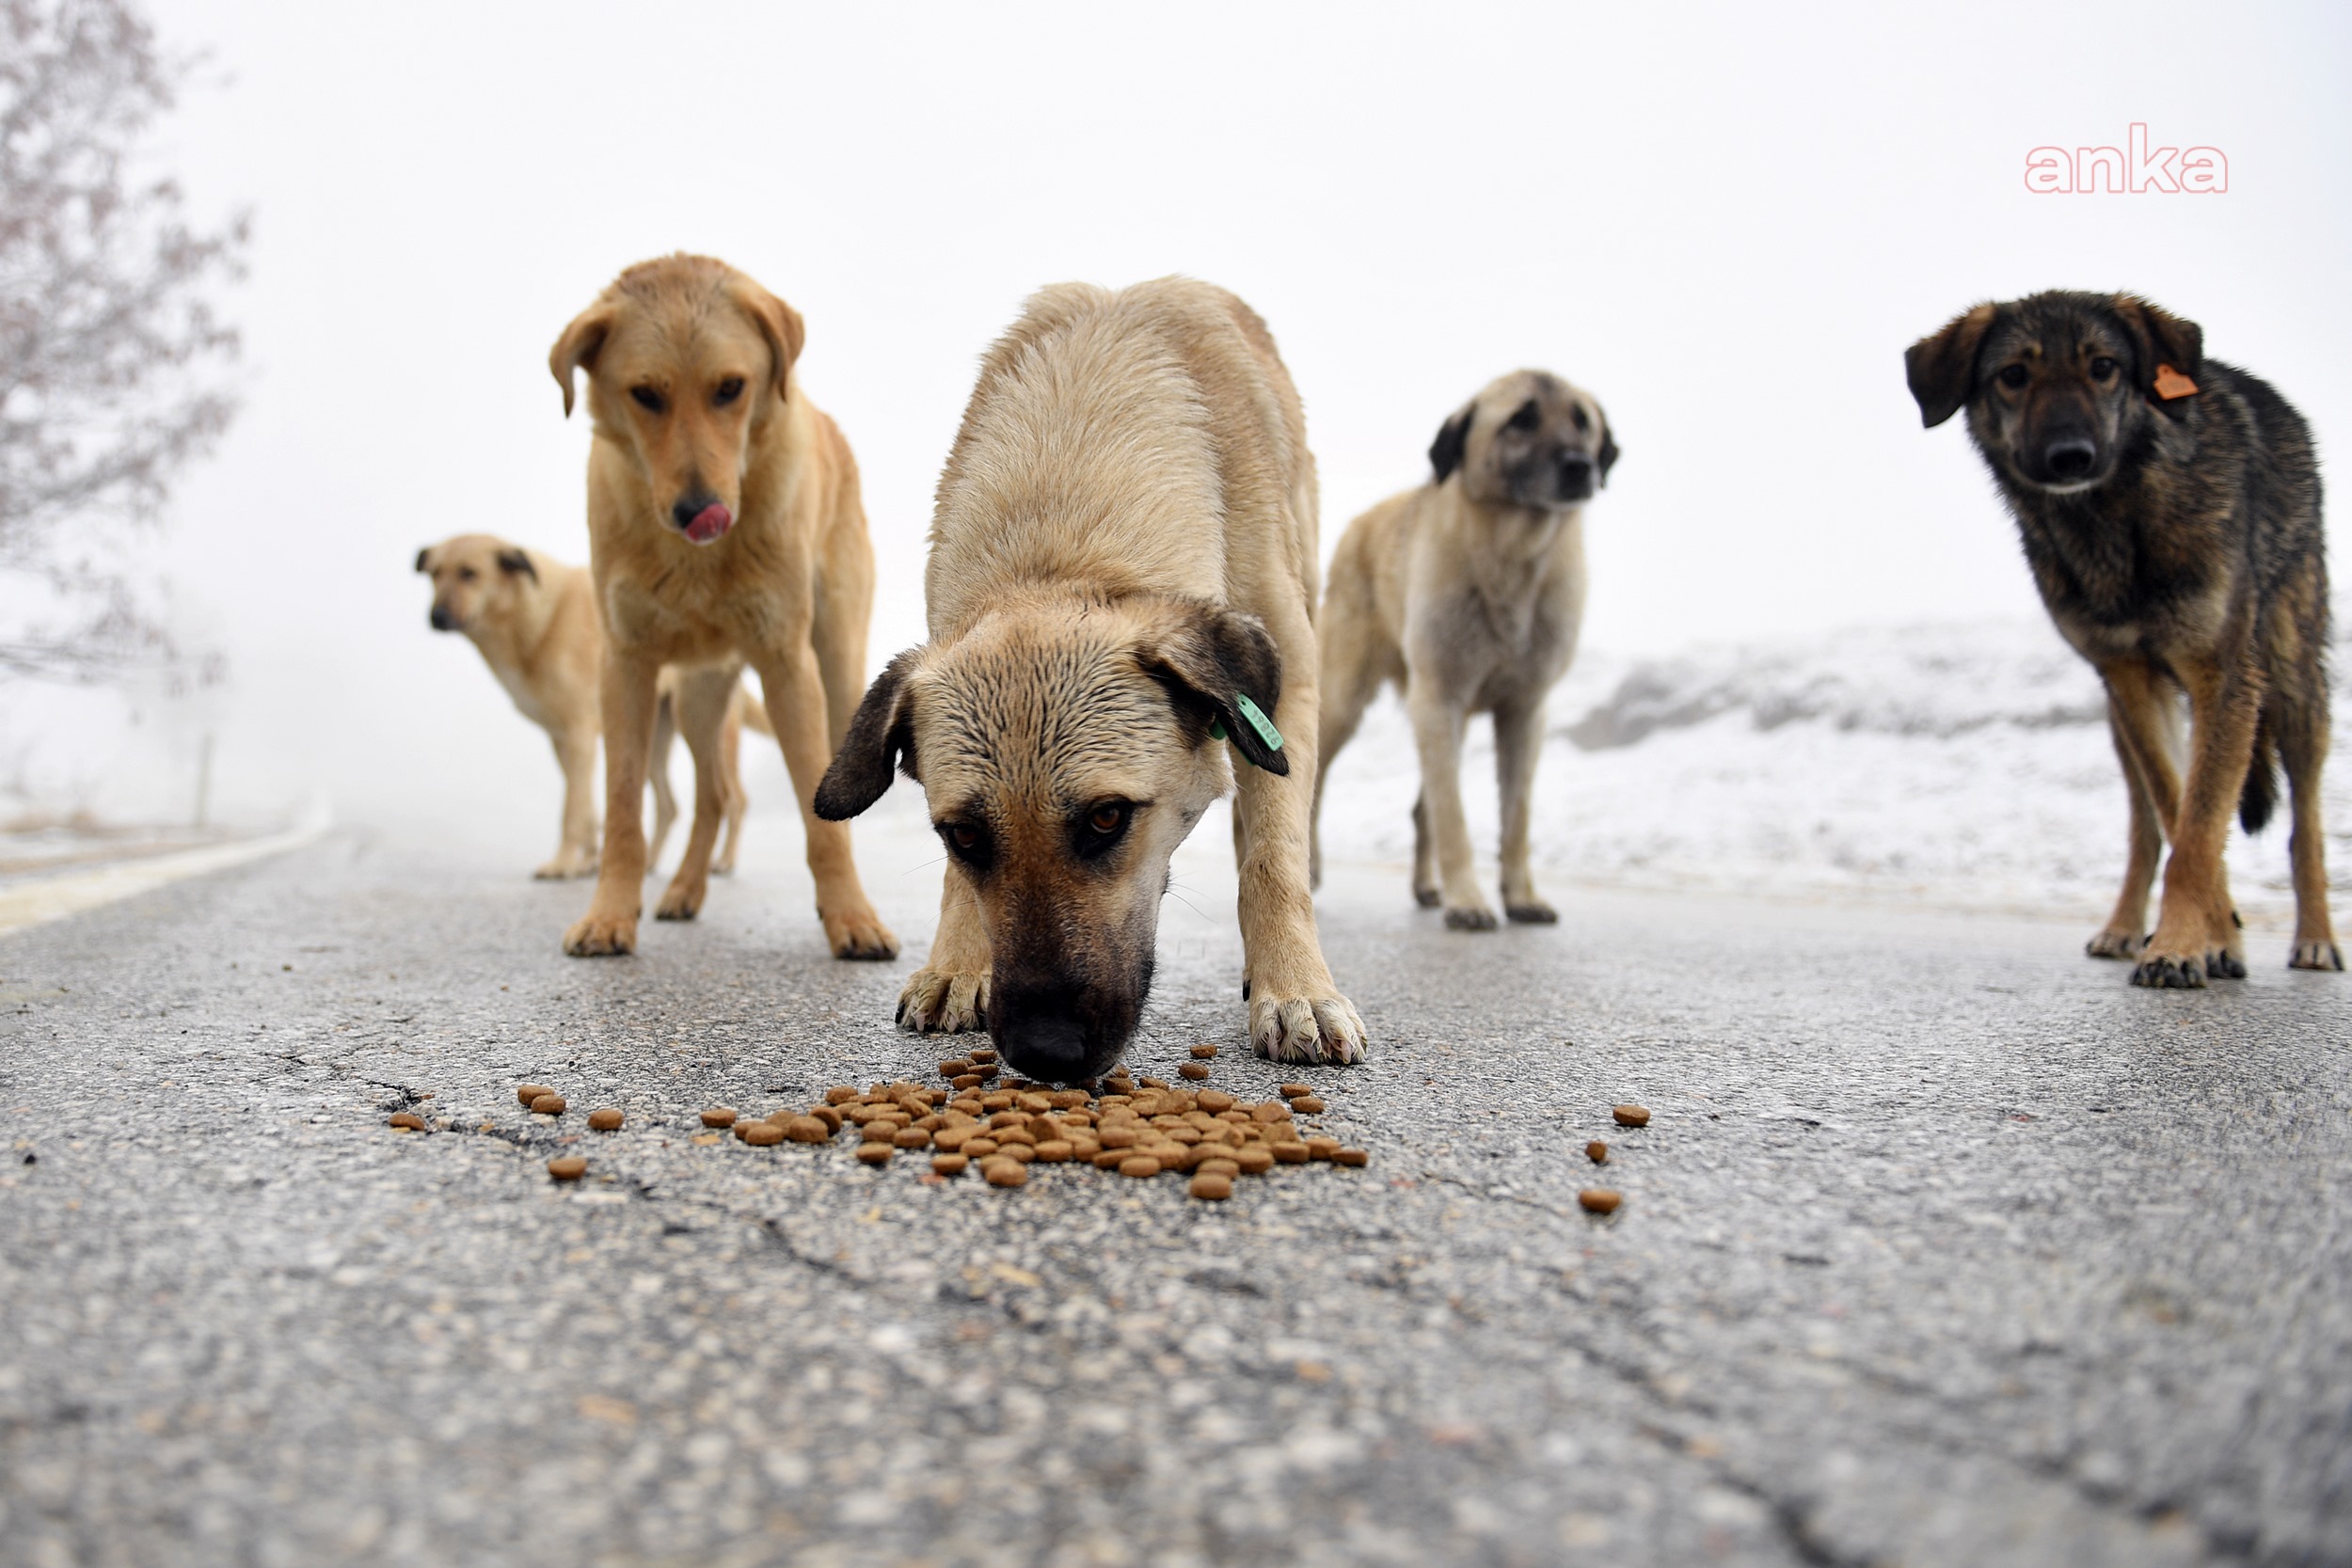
(1292, 1153)
(829, 1115)
(950, 1164)
(1203, 1053)
(840, 1094)
(1630, 1115)
(1005, 1173)
(1138, 1166)
(1291, 1091)
(605, 1119)
(547, 1105)
(1154, 1082)
(807, 1129)
(1307, 1105)
(1215, 1101)
(759, 1134)
(568, 1167)
(1596, 1151)
(1194, 1070)
(874, 1154)
(1254, 1158)
(1598, 1200)
(1216, 1188)
(912, 1138)
(407, 1121)
(1322, 1147)
(529, 1092)
(718, 1115)
(983, 1056)
(1356, 1157)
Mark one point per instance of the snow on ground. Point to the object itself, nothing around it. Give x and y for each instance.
(1965, 766)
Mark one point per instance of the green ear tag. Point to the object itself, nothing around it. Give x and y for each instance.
(1259, 722)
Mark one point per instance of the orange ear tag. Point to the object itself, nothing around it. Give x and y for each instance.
(2171, 383)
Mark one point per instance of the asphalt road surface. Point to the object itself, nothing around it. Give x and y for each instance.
(1944, 1246)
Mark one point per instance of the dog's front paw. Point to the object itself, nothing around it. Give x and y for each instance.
(943, 1002)
(565, 866)
(2316, 955)
(2171, 972)
(2113, 943)
(2222, 964)
(1470, 917)
(1425, 896)
(1308, 1029)
(681, 901)
(859, 934)
(601, 936)
(1534, 912)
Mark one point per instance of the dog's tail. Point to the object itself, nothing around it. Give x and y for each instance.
(2262, 778)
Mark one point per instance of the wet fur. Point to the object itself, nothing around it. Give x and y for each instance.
(534, 620)
(1124, 543)
(1467, 595)
(787, 588)
(2188, 557)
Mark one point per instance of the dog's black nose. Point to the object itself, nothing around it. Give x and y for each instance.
(1048, 1047)
(442, 619)
(1576, 475)
(2069, 457)
(692, 506)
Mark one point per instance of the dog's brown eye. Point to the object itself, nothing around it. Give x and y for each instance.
(963, 836)
(729, 389)
(466, 574)
(1107, 818)
(1526, 419)
(2012, 377)
(647, 399)
(2102, 369)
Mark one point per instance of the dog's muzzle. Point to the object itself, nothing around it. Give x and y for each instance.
(442, 619)
(703, 518)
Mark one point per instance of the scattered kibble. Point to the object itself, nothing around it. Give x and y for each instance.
(1203, 1053)
(1212, 1185)
(874, 1154)
(547, 1105)
(759, 1134)
(1630, 1115)
(950, 1164)
(568, 1167)
(1598, 1200)
(808, 1130)
(718, 1115)
(407, 1121)
(1005, 1173)
(1291, 1091)
(605, 1119)
(529, 1092)
(1596, 1151)
(1194, 1070)
(1355, 1157)
(1307, 1105)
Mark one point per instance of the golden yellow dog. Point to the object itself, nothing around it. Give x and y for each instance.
(1123, 572)
(725, 526)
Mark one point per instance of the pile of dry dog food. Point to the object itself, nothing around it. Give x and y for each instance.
(1137, 1128)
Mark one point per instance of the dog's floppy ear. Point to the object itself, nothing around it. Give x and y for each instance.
(516, 564)
(1942, 368)
(576, 350)
(880, 737)
(2162, 340)
(1608, 455)
(778, 323)
(1221, 666)
(424, 558)
(1445, 452)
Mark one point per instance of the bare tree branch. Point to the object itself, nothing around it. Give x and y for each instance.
(111, 354)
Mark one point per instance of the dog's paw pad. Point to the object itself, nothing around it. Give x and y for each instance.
(601, 936)
(2316, 955)
(2115, 944)
(1308, 1031)
(2171, 973)
(1533, 912)
(940, 1002)
(1472, 917)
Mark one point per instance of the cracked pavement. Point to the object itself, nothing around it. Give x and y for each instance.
(1943, 1246)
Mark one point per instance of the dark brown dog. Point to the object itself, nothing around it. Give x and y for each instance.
(2170, 508)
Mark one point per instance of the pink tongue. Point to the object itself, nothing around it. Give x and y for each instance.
(709, 523)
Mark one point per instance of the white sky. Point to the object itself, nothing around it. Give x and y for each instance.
(1728, 222)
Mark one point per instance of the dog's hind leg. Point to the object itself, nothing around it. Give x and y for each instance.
(657, 773)
(1437, 732)
(2142, 721)
(2197, 935)
(1424, 855)
(1351, 679)
(576, 852)
(2300, 723)
(735, 802)
(1518, 741)
(703, 696)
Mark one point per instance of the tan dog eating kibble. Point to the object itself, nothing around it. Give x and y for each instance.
(534, 620)
(725, 526)
(1123, 572)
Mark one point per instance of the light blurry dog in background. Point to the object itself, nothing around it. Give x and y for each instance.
(1468, 593)
(533, 620)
